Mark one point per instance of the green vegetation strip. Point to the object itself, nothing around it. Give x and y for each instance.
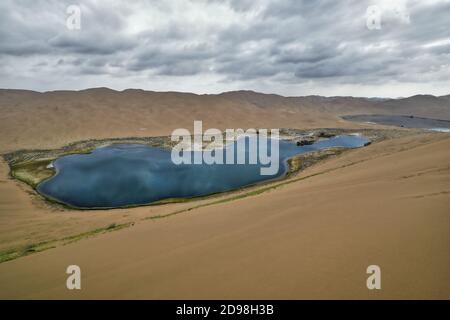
(38, 247)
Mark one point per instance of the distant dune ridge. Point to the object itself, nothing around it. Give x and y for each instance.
(32, 119)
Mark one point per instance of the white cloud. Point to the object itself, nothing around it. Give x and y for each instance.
(290, 47)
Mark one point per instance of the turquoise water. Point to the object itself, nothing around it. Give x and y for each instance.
(133, 174)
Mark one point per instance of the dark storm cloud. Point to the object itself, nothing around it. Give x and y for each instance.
(286, 42)
(173, 60)
(94, 43)
(39, 28)
(311, 54)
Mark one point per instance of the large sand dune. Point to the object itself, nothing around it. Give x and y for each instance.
(386, 204)
(41, 120)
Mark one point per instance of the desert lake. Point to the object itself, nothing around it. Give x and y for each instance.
(120, 175)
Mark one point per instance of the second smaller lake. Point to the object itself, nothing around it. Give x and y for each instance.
(402, 121)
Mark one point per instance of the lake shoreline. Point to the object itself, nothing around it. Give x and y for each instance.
(35, 166)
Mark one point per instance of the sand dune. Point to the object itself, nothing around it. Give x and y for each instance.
(43, 120)
(386, 204)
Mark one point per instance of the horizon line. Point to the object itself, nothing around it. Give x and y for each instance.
(221, 93)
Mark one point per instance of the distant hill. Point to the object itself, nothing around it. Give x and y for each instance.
(31, 119)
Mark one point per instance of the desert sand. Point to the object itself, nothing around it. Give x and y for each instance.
(386, 204)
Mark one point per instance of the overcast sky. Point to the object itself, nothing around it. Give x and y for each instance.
(289, 47)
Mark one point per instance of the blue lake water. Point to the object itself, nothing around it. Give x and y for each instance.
(133, 174)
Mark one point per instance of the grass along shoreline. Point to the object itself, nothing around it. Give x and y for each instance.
(34, 166)
(15, 253)
(238, 194)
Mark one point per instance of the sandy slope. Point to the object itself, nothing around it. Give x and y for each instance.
(41, 120)
(387, 204)
(33, 120)
(312, 238)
